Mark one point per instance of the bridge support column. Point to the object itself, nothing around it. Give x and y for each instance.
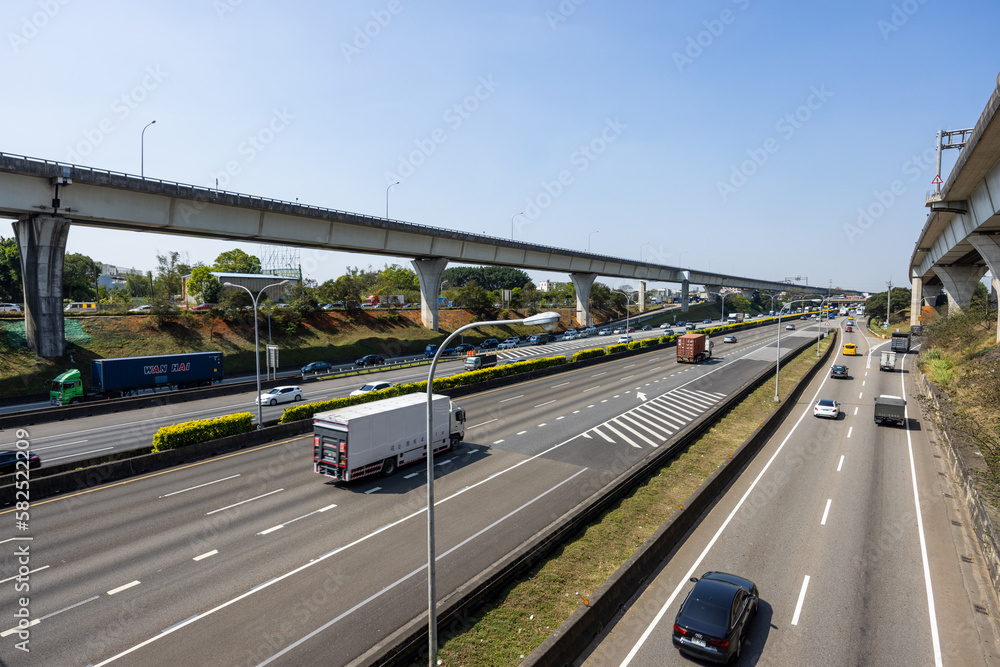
(642, 296)
(685, 296)
(41, 241)
(582, 282)
(429, 276)
(960, 283)
(989, 248)
(916, 299)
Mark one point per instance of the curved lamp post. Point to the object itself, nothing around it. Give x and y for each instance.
(588, 238)
(628, 307)
(142, 150)
(547, 321)
(512, 224)
(256, 339)
(387, 199)
(777, 354)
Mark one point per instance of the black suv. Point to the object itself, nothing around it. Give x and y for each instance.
(488, 343)
(838, 371)
(370, 360)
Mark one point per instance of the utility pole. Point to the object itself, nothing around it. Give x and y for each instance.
(888, 300)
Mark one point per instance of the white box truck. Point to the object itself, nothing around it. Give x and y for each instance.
(377, 437)
(887, 361)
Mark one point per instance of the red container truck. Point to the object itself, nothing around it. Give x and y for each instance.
(693, 348)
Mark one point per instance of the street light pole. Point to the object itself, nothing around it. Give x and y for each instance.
(547, 321)
(628, 307)
(256, 339)
(512, 224)
(588, 238)
(142, 150)
(777, 355)
(387, 198)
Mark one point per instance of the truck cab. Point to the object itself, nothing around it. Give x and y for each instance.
(477, 361)
(66, 388)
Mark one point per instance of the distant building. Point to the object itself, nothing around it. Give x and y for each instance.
(255, 282)
(550, 286)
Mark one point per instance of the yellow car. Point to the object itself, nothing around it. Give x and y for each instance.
(850, 350)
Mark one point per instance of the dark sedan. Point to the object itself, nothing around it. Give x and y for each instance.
(464, 348)
(489, 343)
(10, 457)
(316, 367)
(714, 619)
(370, 360)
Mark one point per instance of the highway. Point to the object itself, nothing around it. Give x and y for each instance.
(251, 558)
(825, 522)
(64, 442)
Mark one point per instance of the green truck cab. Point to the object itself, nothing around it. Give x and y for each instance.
(67, 388)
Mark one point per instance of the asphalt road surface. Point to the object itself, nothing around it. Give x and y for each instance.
(251, 558)
(849, 531)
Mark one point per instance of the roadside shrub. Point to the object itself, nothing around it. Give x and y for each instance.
(634, 345)
(588, 354)
(616, 348)
(667, 339)
(202, 430)
(649, 342)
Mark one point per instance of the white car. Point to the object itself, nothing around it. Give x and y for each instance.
(569, 336)
(513, 341)
(826, 407)
(141, 309)
(665, 325)
(370, 387)
(789, 327)
(624, 339)
(507, 345)
(9, 308)
(280, 395)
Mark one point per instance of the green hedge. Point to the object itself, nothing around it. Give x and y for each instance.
(588, 354)
(616, 348)
(307, 410)
(635, 345)
(649, 342)
(667, 339)
(203, 430)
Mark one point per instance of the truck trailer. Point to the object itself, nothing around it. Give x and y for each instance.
(890, 410)
(475, 361)
(127, 376)
(887, 361)
(376, 438)
(900, 342)
(693, 348)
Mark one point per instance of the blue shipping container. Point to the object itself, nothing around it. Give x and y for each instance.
(129, 373)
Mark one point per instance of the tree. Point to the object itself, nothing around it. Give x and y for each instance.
(473, 297)
(237, 261)
(202, 283)
(11, 288)
(170, 268)
(395, 278)
(488, 277)
(137, 284)
(79, 277)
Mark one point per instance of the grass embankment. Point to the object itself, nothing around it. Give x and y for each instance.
(507, 630)
(960, 355)
(334, 336)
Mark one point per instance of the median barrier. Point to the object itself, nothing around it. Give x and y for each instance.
(573, 636)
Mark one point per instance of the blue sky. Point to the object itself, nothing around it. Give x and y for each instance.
(770, 140)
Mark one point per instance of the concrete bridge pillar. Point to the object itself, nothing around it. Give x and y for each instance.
(642, 296)
(582, 282)
(685, 296)
(41, 241)
(989, 248)
(916, 299)
(429, 276)
(959, 282)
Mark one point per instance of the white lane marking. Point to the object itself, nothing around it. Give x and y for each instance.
(377, 488)
(37, 569)
(863, 382)
(599, 374)
(589, 406)
(15, 629)
(849, 431)
(458, 546)
(477, 425)
(600, 433)
(125, 587)
(166, 630)
(563, 417)
(542, 424)
(442, 463)
(860, 395)
(497, 442)
(826, 512)
(274, 528)
(556, 386)
(711, 543)
(625, 378)
(802, 597)
(65, 444)
(855, 410)
(521, 432)
(512, 398)
(205, 555)
(591, 389)
(92, 451)
(36, 621)
(629, 366)
(935, 639)
(839, 465)
(227, 507)
(576, 411)
(412, 474)
(546, 403)
(191, 488)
